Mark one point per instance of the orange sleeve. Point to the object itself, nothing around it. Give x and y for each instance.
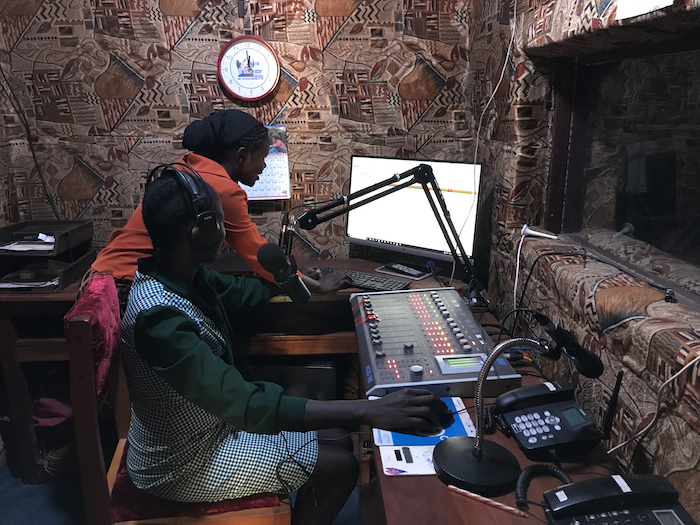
(242, 233)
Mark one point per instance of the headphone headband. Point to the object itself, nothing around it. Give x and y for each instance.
(205, 232)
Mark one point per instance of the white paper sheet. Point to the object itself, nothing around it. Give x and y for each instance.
(28, 246)
(632, 8)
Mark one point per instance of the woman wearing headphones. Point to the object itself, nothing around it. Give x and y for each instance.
(226, 148)
(199, 431)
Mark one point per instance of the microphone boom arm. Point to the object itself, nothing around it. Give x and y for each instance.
(422, 174)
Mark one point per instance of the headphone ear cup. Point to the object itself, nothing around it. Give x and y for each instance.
(206, 232)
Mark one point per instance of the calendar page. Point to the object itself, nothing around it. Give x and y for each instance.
(274, 181)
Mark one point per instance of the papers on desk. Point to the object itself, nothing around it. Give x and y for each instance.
(409, 455)
(43, 243)
(51, 283)
(28, 247)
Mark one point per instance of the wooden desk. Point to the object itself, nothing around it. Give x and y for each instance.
(425, 500)
(17, 312)
(324, 325)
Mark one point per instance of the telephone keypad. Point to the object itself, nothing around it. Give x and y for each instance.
(537, 427)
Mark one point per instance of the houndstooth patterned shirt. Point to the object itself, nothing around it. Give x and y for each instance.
(177, 449)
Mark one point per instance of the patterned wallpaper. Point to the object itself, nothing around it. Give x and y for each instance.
(107, 87)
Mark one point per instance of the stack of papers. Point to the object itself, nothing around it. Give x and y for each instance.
(409, 455)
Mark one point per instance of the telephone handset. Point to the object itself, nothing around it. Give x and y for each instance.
(628, 499)
(546, 417)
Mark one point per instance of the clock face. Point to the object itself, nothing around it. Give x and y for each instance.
(248, 68)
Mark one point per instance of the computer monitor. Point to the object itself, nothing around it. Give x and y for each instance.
(404, 221)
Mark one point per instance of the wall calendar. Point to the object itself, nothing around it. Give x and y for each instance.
(274, 182)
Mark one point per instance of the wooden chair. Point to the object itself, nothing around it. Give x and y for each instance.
(92, 330)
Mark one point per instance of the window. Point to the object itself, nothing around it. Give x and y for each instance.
(632, 183)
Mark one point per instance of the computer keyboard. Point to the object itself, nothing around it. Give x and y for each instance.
(370, 281)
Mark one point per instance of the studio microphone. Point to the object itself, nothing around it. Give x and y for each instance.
(584, 360)
(272, 258)
(627, 229)
(527, 231)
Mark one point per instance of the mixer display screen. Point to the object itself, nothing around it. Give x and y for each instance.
(461, 362)
(427, 338)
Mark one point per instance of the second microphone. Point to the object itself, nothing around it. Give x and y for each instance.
(272, 258)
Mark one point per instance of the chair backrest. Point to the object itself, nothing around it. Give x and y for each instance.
(93, 334)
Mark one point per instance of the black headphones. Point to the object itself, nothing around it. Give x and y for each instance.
(205, 231)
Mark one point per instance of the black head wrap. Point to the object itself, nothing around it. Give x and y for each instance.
(218, 132)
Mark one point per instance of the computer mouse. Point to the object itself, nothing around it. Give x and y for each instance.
(446, 419)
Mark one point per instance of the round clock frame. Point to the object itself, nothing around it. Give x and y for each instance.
(248, 68)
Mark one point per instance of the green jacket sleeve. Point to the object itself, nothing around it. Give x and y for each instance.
(168, 341)
(236, 293)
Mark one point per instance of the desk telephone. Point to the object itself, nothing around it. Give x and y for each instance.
(544, 418)
(630, 499)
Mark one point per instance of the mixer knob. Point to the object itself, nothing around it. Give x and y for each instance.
(459, 335)
(376, 340)
(451, 321)
(463, 341)
(408, 347)
(467, 348)
(456, 330)
(379, 352)
(440, 304)
(417, 369)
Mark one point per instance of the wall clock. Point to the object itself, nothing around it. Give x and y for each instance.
(248, 68)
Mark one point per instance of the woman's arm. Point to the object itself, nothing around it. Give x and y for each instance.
(236, 293)
(411, 410)
(241, 233)
(328, 283)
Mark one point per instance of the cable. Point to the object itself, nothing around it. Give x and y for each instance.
(493, 95)
(430, 265)
(658, 406)
(291, 457)
(517, 272)
(532, 267)
(14, 101)
(505, 318)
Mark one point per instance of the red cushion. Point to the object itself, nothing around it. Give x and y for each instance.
(130, 503)
(99, 301)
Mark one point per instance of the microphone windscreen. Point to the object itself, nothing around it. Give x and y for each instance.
(272, 258)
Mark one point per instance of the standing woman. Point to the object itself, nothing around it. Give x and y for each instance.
(199, 431)
(226, 148)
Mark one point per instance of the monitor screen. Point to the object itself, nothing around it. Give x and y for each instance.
(404, 221)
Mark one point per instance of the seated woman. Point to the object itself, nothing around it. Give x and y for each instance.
(199, 431)
(226, 147)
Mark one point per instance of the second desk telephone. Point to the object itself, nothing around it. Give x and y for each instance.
(629, 499)
(544, 418)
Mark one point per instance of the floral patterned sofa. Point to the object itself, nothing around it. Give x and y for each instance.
(631, 326)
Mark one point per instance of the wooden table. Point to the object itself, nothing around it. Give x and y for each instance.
(425, 500)
(42, 314)
(324, 325)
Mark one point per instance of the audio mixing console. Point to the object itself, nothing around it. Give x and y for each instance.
(426, 339)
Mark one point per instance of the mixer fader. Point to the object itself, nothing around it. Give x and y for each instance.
(424, 338)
